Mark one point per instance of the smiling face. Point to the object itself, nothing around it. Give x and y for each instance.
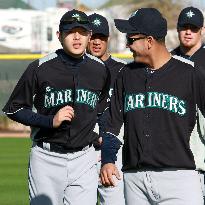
(190, 36)
(138, 46)
(74, 41)
(98, 45)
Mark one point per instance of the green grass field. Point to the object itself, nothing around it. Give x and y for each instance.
(14, 154)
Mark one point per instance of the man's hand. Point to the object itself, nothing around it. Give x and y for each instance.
(106, 174)
(65, 113)
(100, 140)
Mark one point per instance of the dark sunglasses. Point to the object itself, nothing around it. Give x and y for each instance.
(73, 19)
(130, 41)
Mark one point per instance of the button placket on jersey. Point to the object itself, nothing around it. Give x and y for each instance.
(74, 77)
(147, 120)
(75, 86)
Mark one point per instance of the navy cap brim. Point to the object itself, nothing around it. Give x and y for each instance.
(182, 24)
(98, 31)
(68, 27)
(124, 26)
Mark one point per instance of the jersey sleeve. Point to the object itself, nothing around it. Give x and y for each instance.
(23, 93)
(103, 98)
(200, 99)
(114, 121)
(30, 118)
(114, 113)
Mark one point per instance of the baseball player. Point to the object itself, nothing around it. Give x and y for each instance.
(161, 101)
(65, 87)
(190, 27)
(98, 46)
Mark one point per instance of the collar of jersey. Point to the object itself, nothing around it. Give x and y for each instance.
(159, 71)
(69, 59)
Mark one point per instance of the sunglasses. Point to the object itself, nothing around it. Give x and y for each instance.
(73, 19)
(130, 41)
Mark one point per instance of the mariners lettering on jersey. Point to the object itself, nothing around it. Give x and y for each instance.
(87, 97)
(55, 97)
(155, 100)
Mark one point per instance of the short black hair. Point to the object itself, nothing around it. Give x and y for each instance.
(160, 39)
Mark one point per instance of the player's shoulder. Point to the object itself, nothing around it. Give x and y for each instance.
(202, 49)
(95, 64)
(184, 66)
(183, 61)
(134, 66)
(94, 60)
(118, 60)
(131, 67)
(47, 58)
(175, 51)
(36, 65)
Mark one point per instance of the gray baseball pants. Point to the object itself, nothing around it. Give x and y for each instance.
(62, 179)
(112, 195)
(167, 187)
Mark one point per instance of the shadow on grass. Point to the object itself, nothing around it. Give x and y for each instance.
(41, 200)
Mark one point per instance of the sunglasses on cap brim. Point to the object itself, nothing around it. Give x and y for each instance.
(130, 41)
(77, 19)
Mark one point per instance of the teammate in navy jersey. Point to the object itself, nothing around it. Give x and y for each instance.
(68, 88)
(161, 101)
(98, 46)
(190, 29)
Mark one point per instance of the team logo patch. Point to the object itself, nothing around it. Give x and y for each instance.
(155, 100)
(97, 22)
(133, 14)
(77, 16)
(190, 13)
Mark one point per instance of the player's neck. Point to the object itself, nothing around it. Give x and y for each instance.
(159, 58)
(105, 56)
(189, 51)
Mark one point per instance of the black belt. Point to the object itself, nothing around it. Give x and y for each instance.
(53, 147)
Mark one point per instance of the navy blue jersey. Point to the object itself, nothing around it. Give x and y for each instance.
(57, 80)
(114, 65)
(159, 113)
(197, 57)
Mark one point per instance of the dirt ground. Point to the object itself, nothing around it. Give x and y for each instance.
(14, 134)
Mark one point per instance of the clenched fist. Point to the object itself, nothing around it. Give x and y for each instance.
(106, 174)
(64, 114)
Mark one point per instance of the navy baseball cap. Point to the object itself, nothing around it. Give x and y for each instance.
(72, 19)
(99, 24)
(191, 15)
(147, 21)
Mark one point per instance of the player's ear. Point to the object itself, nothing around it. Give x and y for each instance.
(108, 38)
(90, 34)
(58, 34)
(203, 30)
(150, 41)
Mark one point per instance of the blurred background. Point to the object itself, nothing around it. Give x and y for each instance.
(28, 31)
